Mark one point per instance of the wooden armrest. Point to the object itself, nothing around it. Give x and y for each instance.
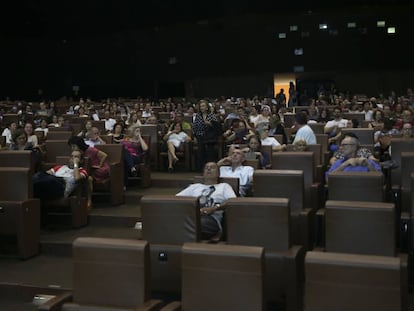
(56, 303)
(173, 306)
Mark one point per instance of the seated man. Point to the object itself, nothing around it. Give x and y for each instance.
(212, 194)
(351, 161)
(60, 181)
(231, 166)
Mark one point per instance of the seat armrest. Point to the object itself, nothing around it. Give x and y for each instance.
(295, 276)
(320, 173)
(320, 227)
(117, 183)
(405, 232)
(150, 305)
(316, 196)
(55, 304)
(306, 227)
(404, 278)
(173, 306)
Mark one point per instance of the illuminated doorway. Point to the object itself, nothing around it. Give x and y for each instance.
(281, 81)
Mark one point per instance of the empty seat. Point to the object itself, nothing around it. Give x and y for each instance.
(288, 184)
(365, 135)
(367, 228)
(111, 274)
(17, 158)
(221, 277)
(306, 162)
(59, 135)
(19, 213)
(265, 222)
(399, 145)
(356, 186)
(336, 281)
(168, 222)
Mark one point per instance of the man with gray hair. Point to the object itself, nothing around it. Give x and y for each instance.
(350, 161)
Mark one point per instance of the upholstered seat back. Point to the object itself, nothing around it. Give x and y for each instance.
(222, 277)
(111, 272)
(360, 228)
(261, 222)
(336, 281)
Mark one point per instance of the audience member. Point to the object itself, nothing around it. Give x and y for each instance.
(207, 130)
(303, 130)
(60, 181)
(350, 160)
(232, 166)
(212, 196)
(175, 139)
(98, 163)
(92, 137)
(135, 150)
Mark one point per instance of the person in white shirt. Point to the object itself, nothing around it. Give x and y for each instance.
(369, 114)
(212, 196)
(92, 137)
(231, 166)
(109, 122)
(333, 127)
(304, 131)
(8, 131)
(267, 140)
(175, 138)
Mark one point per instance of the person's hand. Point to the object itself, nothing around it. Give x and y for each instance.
(207, 122)
(284, 148)
(75, 160)
(207, 210)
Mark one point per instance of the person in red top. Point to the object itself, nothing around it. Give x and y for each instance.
(61, 180)
(98, 163)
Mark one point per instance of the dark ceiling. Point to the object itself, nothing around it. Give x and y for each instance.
(71, 19)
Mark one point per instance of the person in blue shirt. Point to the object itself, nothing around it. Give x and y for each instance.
(351, 162)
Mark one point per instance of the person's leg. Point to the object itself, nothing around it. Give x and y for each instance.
(201, 156)
(129, 168)
(48, 187)
(171, 154)
(90, 190)
(209, 227)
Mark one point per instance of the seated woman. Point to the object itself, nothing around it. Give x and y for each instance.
(117, 133)
(19, 142)
(31, 136)
(135, 149)
(175, 139)
(97, 161)
(86, 128)
(60, 181)
(253, 151)
(42, 127)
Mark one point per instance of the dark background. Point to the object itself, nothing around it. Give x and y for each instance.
(187, 48)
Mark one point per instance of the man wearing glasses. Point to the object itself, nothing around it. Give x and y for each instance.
(351, 162)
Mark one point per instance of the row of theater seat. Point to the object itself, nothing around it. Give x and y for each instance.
(257, 267)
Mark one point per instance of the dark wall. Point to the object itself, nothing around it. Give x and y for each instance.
(234, 56)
